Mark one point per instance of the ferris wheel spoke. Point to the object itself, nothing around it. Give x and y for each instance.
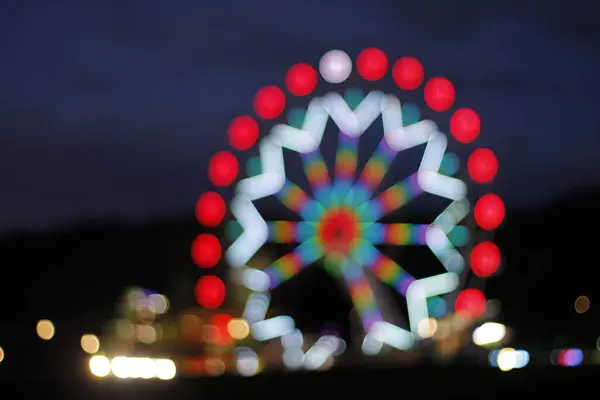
(291, 231)
(297, 200)
(396, 234)
(290, 264)
(391, 199)
(318, 176)
(361, 293)
(346, 159)
(373, 173)
(382, 266)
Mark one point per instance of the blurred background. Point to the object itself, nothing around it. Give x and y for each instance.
(110, 114)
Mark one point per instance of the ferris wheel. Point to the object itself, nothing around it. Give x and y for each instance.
(340, 214)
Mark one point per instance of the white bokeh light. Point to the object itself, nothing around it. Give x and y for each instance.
(335, 66)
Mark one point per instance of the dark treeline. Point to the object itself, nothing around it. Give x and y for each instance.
(78, 272)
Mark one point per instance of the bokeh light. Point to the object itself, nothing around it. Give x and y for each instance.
(223, 169)
(221, 333)
(482, 165)
(1, 354)
(470, 303)
(570, 357)
(238, 328)
(489, 212)
(45, 329)
(99, 366)
(507, 359)
(90, 343)
(489, 333)
(408, 73)
(133, 367)
(269, 102)
(206, 250)
(335, 66)
(485, 259)
(465, 125)
(301, 79)
(582, 304)
(372, 64)
(210, 292)
(159, 302)
(439, 94)
(243, 132)
(210, 209)
(215, 366)
(427, 328)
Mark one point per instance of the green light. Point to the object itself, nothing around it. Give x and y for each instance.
(459, 236)
(296, 117)
(233, 230)
(450, 164)
(410, 114)
(253, 166)
(354, 97)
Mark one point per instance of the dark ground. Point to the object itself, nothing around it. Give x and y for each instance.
(74, 277)
(448, 382)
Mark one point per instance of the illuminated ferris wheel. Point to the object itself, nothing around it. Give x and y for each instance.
(340, 216)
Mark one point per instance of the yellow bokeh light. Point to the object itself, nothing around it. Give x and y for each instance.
(99, 366)
(582, 304)
(90, 344)
(427, 328)
(507, 359)
(45, 329)
(238, 328)
(1, 354)
(215, 366)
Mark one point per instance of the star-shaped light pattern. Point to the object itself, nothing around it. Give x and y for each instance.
(340, 221)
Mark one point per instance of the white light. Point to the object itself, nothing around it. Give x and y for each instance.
(427, 328)
(418, 292)
(293, 340)
(145, 368)
(335, 66)
(522, 358)
(507, 359)
(370, 346)
(293, 358)
(256, 280)
(160, 302)
(99, 366)
(254, 236)
(489, 333)
(391, 335)
(120, 367)
(247, 363)
(256, 307)
(165, 369)
(321, 351)
(316, 357)
(272, 328)
(134, 367)
(353, 123)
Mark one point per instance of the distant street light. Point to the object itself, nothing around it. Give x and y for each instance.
(45, 329)
(489, 333)
(90, 344)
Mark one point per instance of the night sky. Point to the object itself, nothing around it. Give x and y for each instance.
(106, 106)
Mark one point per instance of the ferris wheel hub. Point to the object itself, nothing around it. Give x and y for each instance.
(338, 231)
